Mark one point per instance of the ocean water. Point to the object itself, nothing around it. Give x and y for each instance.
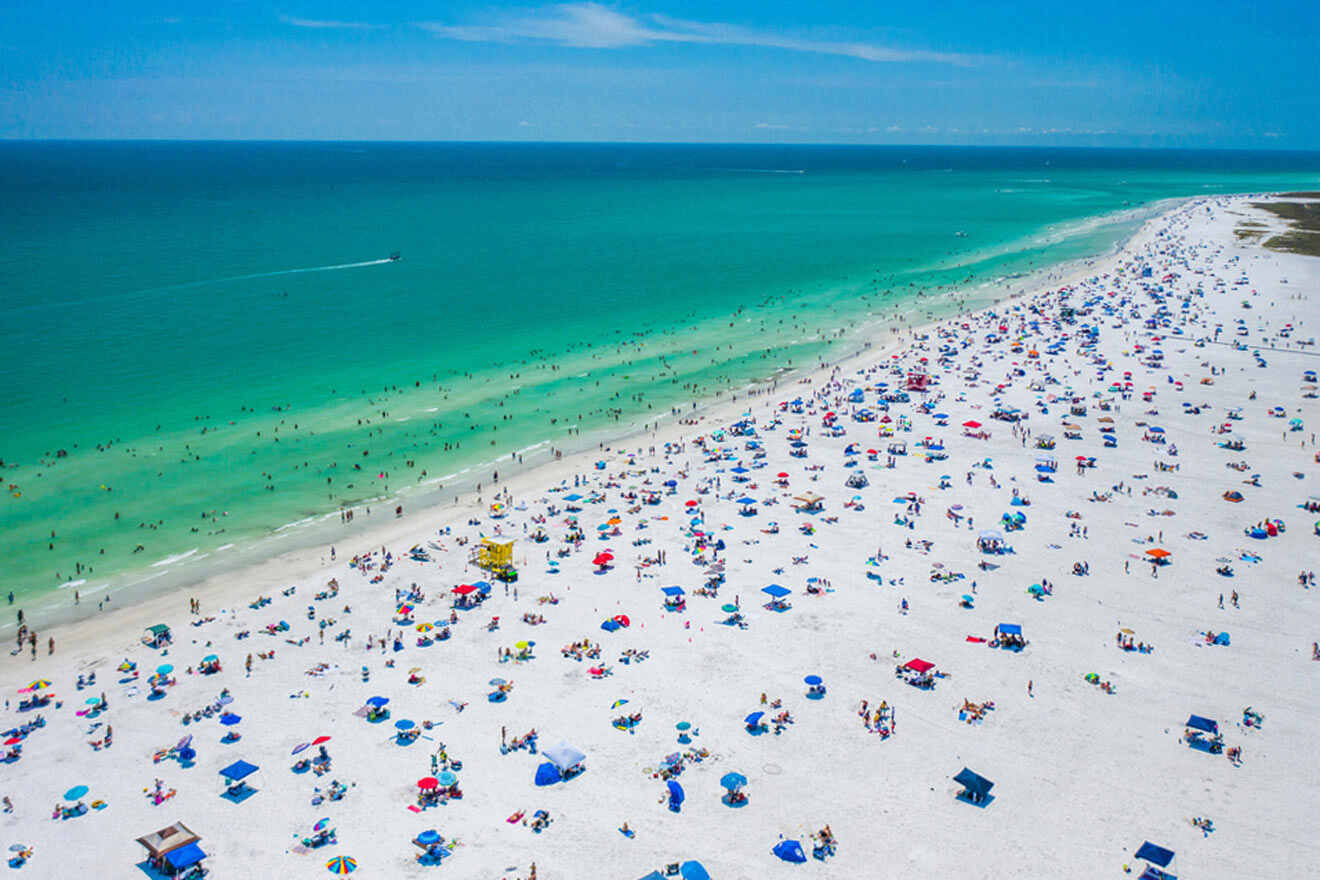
(207, 347)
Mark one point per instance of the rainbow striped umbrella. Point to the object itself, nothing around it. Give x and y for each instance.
(341, 865)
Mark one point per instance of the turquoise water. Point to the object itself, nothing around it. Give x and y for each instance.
(210, 341)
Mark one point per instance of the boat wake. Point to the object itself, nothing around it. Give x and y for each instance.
(278, 272)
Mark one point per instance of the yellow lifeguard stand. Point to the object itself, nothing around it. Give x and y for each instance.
(494, 555)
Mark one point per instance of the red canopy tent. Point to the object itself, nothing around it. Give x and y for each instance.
(464, 589)
(918, 665)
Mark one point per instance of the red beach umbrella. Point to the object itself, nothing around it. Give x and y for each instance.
(970, 423)
(426, 783)
(320, 739)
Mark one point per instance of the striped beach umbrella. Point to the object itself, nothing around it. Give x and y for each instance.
(341, 865)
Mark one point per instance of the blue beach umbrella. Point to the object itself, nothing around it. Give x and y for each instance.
(377, 702)
(753, 719)
(812, 679)
(429, 836)
(733, 781)
(675, 792)
(693, 871)
(404, 724)
(165, 669)
(229, 719)
(76, 792)
(446, 778)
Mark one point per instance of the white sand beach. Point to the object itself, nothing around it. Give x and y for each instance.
(1145, 368)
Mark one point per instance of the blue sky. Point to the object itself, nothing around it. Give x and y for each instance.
(1208, 74)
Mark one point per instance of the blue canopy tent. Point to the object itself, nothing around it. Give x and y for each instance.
(672, 591)
(976, 788)
(1158, 858)
(235, 775)
(1196, 722)
(184, 857)
(776, 591)
(1010, 629)
(238, 771)
(790, 851)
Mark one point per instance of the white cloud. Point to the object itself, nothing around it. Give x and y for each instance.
(322, 24)
(593, 26)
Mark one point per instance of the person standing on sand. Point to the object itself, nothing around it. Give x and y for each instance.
(249, 665)
(51, 646)
(1030, 683)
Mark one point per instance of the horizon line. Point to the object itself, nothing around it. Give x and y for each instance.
(566, 142)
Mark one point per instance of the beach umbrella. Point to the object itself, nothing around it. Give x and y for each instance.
(13, 740)
(424, 627)
(447, 778)
(728, 608)
(790, 851)
(165, 669)
(733, 781)
(225, 700)
(522, 646)
(622, 619)
(229, 719)
(300, 747)
(812, 679)
(675, 792)
(971, 423)
(322, 739)
(76, 792)
(17, 847)
(603, 559)
(753, 719)
(404, 724)
(429, 836)
(497, 682)
(426, 783)
(322, 825)
(617, 703)
(39, 685)
(342, 865)
(91, 701)
(547, 774)
(187, 753)
(377, 702)
(683, 725)
(967, 598)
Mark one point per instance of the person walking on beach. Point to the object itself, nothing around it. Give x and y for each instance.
(248, 665)
(50, 646)
(1029, 687)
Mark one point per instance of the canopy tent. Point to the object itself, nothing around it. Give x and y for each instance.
(1010, 629)
(1197, 722)
(776, 591)
(976, 786)
(563, 756)
(918, 665)
(672, 591)
(238, 770)
(185, 856)
(1156, 855)
(168, 839)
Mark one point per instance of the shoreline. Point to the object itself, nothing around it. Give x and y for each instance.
(311, 549)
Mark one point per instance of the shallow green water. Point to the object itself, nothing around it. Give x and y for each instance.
(209, 340)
